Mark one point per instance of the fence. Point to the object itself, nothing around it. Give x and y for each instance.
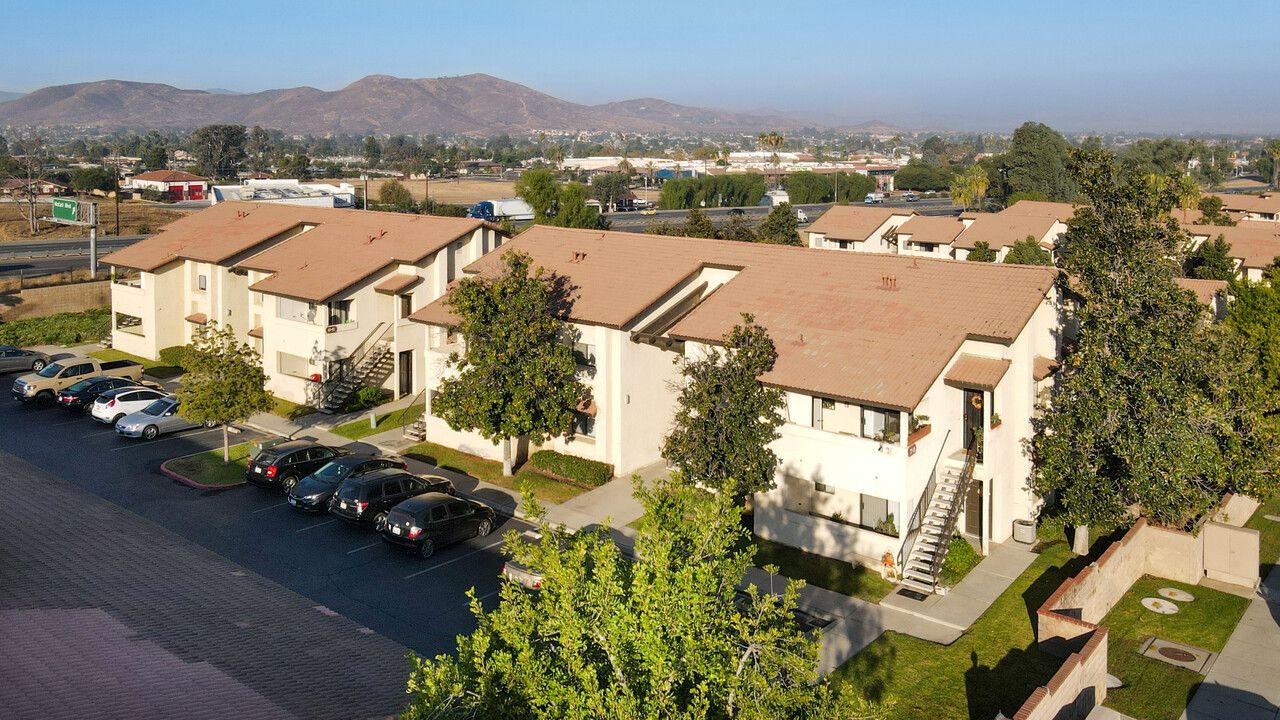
(41, 301)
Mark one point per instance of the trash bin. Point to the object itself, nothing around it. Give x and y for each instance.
(1024, 531)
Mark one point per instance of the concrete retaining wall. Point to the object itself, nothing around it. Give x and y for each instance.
(38, 302)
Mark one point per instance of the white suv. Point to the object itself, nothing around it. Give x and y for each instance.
(115, 404)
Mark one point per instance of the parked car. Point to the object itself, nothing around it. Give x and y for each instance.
(112, 405)
(313, 492)
(432, 520)
(82, 395)
(285, 464)
(910, 196)
(41, 386)
(527, 577)
(801, 216)
(368, 498)
(155, 419)
(736, 212)
(12, 359)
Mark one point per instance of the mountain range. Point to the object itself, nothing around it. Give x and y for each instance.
(476, 104)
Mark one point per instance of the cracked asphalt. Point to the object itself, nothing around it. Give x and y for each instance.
(419, 604)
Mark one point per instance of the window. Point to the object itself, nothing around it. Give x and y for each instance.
(294, 365)
(202, 282)
(406, 305)
(459, 509)
(339, 312)
(880, 422)
(257, 299)
(129, 323)
(583, 425)
(392, 487)
(879, 515)
(437, 514)
(826, 489)
(584, 354)
(291, 309)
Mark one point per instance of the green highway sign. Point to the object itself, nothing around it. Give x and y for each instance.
(64, 209)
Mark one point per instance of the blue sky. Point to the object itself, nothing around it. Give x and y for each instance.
(1163, 66)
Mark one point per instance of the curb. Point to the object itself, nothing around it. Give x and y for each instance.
(164, 470)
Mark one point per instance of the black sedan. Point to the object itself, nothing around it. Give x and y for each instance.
(285, 464)
(313, 492)
(433, 520)
(81, 395)
(369, 498)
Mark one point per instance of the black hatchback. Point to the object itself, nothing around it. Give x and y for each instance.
(285, 464)
(433, 520)
(368, 498)
(81, 395)
(312, 494)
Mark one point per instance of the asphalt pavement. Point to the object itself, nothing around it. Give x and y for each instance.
(421, 604)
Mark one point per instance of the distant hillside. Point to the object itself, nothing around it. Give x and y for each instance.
(479, 104)
(7, 96)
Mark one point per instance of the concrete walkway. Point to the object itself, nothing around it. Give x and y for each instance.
(1244, 682)
(965, 603)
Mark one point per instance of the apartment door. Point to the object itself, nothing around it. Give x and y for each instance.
(406, 373)
(973, 508)
(973, 418)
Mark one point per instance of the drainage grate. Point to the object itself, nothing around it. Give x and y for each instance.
(1190, 657)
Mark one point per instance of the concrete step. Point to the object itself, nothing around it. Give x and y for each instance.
(913, 576)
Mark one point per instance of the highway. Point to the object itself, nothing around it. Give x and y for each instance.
(39, 258)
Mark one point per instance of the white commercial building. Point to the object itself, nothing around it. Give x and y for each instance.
(289, 192)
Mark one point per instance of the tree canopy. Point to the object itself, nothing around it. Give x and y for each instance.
(725, 417)
(1037, 162)
(515, 374)
(1028, 252)
(1212, 261)
(218, 150)
(556, 204)
(1156, 406)
(780, 226)
(982, 252)
(664, 636)
(393, 192)
(224, 381)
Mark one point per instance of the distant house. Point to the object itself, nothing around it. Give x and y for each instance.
(177, 185)
(288, 192)
(44, 188)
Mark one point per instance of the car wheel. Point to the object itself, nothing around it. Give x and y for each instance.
(44, 399)
(288, 483)
(116, 419)
(380, 521)
(37, 366)
(150, 432)
(483, 528)
(427, 548)
(87, 408)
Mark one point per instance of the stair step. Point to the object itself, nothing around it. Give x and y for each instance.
(917, 576)
(918, 587)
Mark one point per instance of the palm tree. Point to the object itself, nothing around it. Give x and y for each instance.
(960, 191)
(774, 142)
(1188, 191)
(1273, 149)
(649, 168)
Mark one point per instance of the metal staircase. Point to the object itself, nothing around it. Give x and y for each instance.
(943, 501)
(370, 364)
(415, 427)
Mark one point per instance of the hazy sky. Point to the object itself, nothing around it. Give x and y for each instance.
(1078, 65)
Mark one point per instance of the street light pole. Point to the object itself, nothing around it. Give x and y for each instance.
(365, 178)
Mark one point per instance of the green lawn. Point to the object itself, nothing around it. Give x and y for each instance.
(387, 421)
(1153, 689)
(824, 572)
(541, 486)
(1268, 535)
(154, 368)
(207, 467)
(992, 668)
(290, 411)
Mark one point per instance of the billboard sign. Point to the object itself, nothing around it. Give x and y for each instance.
(64, 209)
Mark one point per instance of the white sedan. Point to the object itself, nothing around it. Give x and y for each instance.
(115, 404)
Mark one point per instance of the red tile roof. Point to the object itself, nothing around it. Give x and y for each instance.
(1039, 208)
(936, 229)
(170, 176)
(977, 371)
(1205, 290)
(838, 333)
(852, 222)
(1255, 244)
(1000, 230)
(197, 318)
(397, 284)
(1044, 367)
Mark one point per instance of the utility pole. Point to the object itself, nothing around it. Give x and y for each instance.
(115, 175)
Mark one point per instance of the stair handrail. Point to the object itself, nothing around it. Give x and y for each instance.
(406, 417)
(348, 364)
(917, 517)
(962, 491)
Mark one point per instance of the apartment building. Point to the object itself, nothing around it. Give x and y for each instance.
(1255, 244)
(900, 231)
(892, 368)
(324, 294)
(1262, 208)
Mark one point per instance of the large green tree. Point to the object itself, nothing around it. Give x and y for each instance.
(982, 252)
(224, 381)
(218, 150)
(662, 637)
(609, 188)
(1028, 252)
(296, 166)
(780, 226)
(1255, 316)
(725, 417)
(515, 375)
(393, 192)
(259, 150)
(1157, 406)
(1212, 260)
(1037, 162)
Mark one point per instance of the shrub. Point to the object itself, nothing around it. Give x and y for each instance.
(175, 356)
(582, 471)
(959, 561)
(364, 398)
(58, 329)
(144, 228)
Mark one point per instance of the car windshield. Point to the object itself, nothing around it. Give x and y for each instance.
(157, 408)
(51, 370)
(265, 455)
(83, 384)
(331, 471)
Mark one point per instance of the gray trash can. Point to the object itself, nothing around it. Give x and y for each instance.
(1024, 531)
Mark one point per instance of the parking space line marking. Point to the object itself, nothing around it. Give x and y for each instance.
(485, 597)
(104, 432)
(312, 527)
(366, 547)
(68, 422)
(269, 507)
(454, 560)
(153, 442)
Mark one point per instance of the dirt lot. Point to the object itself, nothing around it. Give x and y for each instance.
(458, 192)
(134, 219)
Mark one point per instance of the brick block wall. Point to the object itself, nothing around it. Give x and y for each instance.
(38, 302)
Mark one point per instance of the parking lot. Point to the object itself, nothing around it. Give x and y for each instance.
(421, 604)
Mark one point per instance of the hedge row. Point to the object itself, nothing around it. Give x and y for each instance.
(58, 329)
(582, 471)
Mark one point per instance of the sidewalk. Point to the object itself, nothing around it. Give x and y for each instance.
(966, 602)
(1244, 682)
